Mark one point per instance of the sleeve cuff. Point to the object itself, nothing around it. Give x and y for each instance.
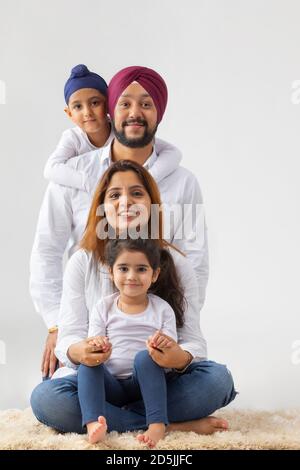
(51, 318)
(61, 351)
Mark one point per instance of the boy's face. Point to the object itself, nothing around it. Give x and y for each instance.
(87, 109)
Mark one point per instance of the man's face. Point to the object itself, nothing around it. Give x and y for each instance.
(135, 118)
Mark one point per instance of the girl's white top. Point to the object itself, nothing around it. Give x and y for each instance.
(86, 282)
(127, 332)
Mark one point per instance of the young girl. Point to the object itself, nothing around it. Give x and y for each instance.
(86, 105)
(143, 313)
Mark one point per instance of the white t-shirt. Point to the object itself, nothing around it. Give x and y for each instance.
(75, 142)
(128, 332)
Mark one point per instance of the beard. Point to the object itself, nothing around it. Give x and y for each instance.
(138, 142)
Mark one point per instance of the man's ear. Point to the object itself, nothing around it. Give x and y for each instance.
(155, 275)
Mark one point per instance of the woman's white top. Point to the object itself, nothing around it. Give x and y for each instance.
(129, 332)
(86, 282)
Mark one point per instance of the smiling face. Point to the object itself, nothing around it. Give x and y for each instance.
(127, 204)
(87, 109)
(132, 273)
(135, 117)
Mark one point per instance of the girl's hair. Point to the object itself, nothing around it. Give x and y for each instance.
(90, 241)
(167, 286)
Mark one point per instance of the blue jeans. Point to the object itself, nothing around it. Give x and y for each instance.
(202, 389)
(148, 382)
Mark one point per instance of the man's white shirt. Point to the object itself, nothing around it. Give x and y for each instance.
(63, 217)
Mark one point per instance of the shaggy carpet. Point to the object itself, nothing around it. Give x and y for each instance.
(248, 430)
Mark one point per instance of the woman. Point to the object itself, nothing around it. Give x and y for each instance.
(196, 387)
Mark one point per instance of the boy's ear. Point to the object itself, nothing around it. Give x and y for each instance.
(155, 275)
(68, 112)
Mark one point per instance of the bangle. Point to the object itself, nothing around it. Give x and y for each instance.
(53, 329)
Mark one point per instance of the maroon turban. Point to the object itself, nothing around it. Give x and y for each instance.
(147, 78)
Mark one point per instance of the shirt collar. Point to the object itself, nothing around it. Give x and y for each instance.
(106, 156)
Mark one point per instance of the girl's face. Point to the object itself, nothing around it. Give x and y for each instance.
(132, 273)
(127, 204)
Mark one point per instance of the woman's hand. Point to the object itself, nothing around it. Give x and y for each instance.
(49, 361)
(88, 352)
(166, 352)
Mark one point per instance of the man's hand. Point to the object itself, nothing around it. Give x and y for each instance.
(166, 352)
(49, 360)
(89, 352)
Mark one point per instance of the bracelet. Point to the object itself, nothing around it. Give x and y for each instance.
(53, 329)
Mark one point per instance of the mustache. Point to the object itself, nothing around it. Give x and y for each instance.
(139, 121)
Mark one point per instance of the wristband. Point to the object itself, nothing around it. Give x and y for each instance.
(53, 329)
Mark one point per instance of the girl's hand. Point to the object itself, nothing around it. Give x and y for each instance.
(160, 341)
(172, 356)
(101, 342)
(88, 354)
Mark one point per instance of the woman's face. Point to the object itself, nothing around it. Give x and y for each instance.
(127, 204)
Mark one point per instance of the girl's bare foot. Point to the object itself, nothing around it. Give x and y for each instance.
(97, 430)
(207, 425)
(154, 433)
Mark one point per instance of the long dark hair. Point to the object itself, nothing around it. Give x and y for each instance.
(167, 286)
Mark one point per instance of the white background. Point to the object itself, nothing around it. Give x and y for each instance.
(229, 66)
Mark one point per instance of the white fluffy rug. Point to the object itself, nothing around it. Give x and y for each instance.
(248, 430)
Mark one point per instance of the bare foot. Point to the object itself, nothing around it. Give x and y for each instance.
(154, 433)
(97, 430)
(207, 425)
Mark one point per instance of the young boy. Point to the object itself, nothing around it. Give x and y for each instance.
(86, 105)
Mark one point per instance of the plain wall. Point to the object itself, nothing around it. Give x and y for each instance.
(229, 66)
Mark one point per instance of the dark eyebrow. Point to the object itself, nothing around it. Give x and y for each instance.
(144, 95)
(131, 187)
(136, 265)
(96, 98)
(92, 98)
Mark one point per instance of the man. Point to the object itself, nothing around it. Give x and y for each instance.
(137, 98)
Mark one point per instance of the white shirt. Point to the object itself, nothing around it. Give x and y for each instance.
(86, 282)
(72, 143)
(128, 333)
(75, 141)
(63, 216)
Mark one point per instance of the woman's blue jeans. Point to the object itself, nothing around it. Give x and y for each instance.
(148, 382)
(202, 389)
